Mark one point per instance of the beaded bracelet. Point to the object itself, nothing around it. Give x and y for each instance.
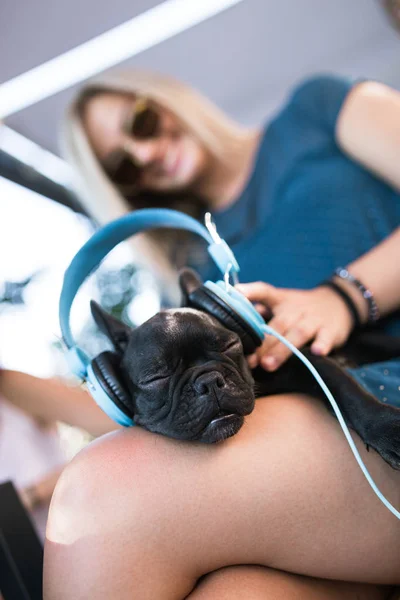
(373, 310)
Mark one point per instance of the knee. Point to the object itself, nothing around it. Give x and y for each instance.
(106, 484)
(135, 476)
(108, 510)
(137, 482)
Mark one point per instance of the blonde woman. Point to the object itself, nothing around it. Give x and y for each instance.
(180, 151)
(313, 190)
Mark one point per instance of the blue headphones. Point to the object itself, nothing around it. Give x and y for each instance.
(103, 374)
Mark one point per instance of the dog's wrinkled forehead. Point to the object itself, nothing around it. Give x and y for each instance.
(185, 330)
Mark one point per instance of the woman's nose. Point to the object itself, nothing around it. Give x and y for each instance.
(143, 152)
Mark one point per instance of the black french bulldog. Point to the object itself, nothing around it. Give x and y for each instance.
(188, 378)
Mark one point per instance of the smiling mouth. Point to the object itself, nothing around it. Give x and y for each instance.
(171, 168)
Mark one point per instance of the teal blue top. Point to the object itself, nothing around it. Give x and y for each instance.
(307, 207)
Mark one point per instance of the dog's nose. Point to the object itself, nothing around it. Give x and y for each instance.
(205, 383)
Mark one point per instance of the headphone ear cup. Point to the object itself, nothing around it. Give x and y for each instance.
(108, 372)
(204, 299)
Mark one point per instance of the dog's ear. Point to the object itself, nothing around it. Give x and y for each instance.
(116, 331)
(188, 281)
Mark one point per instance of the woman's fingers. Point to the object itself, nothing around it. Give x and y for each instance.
(252, 360)
(266, 353)
(324, 341)
(299, 333)
(316, 316)
(264, 311)
(260, 292)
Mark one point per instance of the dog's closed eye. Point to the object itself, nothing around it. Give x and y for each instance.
(235, 345)
(155, 379)
(157, 372)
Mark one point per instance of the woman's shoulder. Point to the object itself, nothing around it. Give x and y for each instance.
(305, 123)
(319, 97)
(320, 83)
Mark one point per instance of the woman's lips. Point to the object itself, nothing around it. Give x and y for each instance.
(171, 165)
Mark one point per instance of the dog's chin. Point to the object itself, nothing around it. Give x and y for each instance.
(221, 428)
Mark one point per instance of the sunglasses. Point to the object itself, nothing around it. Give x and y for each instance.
(143, 123)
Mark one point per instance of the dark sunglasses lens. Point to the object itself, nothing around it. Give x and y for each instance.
(145, 124)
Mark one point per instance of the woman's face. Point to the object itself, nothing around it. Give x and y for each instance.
(171, 160)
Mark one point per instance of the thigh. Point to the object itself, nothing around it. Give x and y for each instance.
(260, 583)
(285, 493)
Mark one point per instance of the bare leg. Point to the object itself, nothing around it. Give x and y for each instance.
(139, 516)
(260, 583)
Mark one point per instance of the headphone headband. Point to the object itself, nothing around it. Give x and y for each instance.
(106, 238)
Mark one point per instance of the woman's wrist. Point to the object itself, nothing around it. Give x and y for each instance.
(362, 296)
(346, 299)
(357, 299)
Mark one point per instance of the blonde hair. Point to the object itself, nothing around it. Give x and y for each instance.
(220, 136)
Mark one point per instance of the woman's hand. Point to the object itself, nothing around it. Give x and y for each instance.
(318, 315)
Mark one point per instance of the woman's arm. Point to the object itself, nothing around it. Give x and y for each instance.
(379, 271)
(368, 129)
(51, 400)
(320, 314)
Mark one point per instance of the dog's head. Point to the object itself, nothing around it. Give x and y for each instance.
(187, 374)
